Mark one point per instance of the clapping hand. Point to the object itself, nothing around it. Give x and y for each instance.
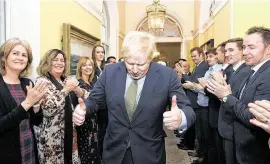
(202, 82)
(261, 111)
(188, 85)
(173, 118)
(70, 85)
(34, 94)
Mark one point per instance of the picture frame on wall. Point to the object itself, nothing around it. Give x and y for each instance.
(208, 45)
(76, 43)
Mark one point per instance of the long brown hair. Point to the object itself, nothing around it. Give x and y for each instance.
(94, 57)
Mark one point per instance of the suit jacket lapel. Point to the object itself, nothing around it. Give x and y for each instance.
(253, 78)
(232, 80)
(148, 86)
(121, 77)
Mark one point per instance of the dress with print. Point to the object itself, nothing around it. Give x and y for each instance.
(50, 133)
(26, 135)
(87, 136)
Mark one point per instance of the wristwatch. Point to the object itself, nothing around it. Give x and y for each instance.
(224, 99)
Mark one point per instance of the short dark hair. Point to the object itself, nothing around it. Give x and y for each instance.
(222, 47)
(263, 32)
(110, 57)
(198, 49)
(211, 51)
(238, 41)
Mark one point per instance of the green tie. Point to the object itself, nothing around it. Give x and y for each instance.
(130, 98)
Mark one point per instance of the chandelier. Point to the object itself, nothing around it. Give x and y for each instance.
(156, 16)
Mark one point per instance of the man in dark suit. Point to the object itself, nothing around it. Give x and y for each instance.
(137, 92)
(201, 122)
(222, 59)
(251, 143)
(233, 49)
(188, 140)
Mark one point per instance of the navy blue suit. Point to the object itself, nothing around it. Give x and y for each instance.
(145, 131)
(251, 142)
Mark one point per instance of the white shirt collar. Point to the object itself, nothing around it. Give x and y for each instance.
(238, 65)
(225, 66)
(257, 67)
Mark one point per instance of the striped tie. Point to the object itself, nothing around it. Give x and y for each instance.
(130, 98)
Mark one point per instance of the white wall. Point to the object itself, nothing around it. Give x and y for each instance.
(23, 21)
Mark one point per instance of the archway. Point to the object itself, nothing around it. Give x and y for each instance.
(169, 41)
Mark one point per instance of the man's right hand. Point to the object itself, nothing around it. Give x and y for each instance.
(79, 113)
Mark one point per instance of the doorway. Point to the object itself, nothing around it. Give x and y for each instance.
(169, 52)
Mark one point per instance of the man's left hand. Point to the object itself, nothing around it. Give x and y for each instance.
(173, 119)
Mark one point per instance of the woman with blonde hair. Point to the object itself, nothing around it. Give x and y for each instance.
(87, 133)
(18, 97)
(55, 135)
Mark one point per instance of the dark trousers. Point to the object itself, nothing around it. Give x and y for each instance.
(128, 157)
(202, 130)
(189, 137)
(215, 147)
(230, 154)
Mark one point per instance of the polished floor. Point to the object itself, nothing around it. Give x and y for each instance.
(175, 155)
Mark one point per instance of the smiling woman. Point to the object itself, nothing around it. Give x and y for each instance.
(16, 101)
(56, 138)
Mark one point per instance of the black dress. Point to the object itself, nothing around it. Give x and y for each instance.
(88, 136)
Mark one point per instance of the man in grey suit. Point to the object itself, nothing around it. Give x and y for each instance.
(137, 92)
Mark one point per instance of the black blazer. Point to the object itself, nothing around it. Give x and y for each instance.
(251, 142)
(225, 120)
(11, 116)
(199, 72)
(145, 131)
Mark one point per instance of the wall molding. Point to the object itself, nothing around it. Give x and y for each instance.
(210, 20)
(121, 35)
(219, 7)
(91, 8)
(168, 39)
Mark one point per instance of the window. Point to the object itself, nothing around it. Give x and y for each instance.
(2, 21)
(105, 35)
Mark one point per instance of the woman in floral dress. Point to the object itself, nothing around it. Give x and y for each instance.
(56, 135)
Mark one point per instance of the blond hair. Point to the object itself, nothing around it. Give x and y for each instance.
(7, 47)
(81, 62)
(45, 64)
(138, 41)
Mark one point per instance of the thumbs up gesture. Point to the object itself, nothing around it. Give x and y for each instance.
(79, 113)
(173, 118)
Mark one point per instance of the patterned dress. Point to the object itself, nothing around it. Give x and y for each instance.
(26, 135)
(87, 136)
(50, 133)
